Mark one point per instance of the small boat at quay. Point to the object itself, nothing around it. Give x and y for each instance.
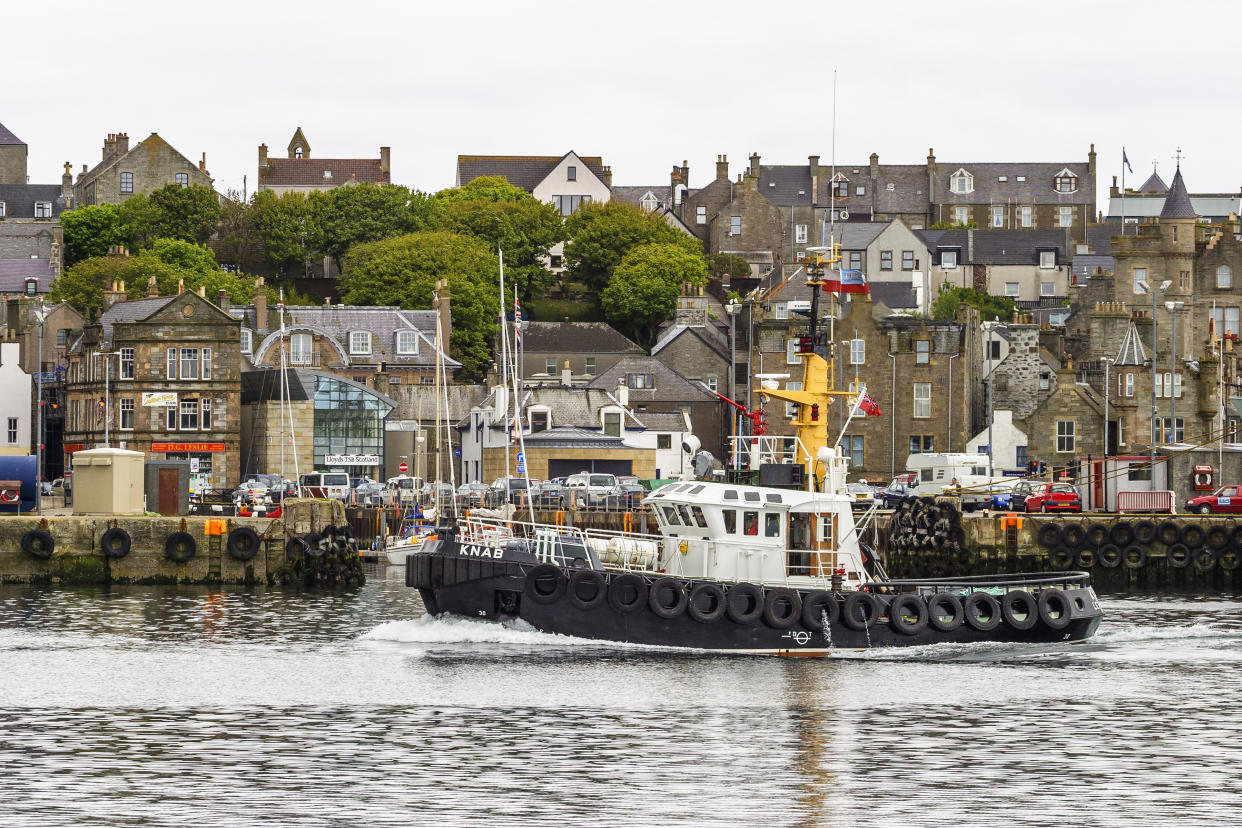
(767, 561)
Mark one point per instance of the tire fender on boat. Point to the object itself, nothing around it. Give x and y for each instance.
(627, 592)
(944, 611)
(709, 593)
(1019, 609)
(663, 590)
(982, 611)
(781, 608)
(818, 604)
(1055, 608)
(744, 603)
(860, 610)
(545, 584)
(907, 614)
(597, 593)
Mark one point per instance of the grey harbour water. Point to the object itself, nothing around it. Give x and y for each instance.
(184, 706)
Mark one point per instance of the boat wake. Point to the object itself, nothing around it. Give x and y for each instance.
(447, 631)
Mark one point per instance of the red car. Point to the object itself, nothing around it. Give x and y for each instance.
(1226, 499)
(1054, 497)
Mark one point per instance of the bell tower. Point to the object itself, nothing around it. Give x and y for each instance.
(299, 147)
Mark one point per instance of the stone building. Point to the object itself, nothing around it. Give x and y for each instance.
(589, 349)
(1070, 425)
(300, 173)
(31, 239)
(1031, 267)
(13, 157)
(124, 172)
(162, 376)
(700, 353)
(1025, 377)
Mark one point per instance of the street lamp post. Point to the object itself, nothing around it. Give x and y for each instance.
(1173, 308)
(40, 315)
(1144, 287)
(107, 399)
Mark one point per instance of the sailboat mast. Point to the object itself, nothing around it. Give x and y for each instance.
(504, 351)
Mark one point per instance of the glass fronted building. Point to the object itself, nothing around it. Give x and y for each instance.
(349, 420)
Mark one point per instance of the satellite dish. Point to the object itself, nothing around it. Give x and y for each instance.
(703, 464)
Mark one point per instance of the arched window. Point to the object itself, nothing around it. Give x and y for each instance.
(1224, 276)
(962, 182)
(297, 152)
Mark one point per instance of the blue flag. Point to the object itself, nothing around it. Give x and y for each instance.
(1126, 160)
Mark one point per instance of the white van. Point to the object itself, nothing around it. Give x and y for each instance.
(402, 490)
(325, 484)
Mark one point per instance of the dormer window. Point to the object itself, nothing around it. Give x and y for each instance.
(649, 202)
(247, 341)
(407, 342)
(1002, 178)
(840, 187)
(571, 173)
(962, 182)
(32, 287)
(1066, 181)
(540, 419)
(327, 174)
(360, 342)
(43, 209)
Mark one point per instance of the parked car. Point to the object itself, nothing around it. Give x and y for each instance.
(250, 491)
(632, 492)
(508, 490)
(549, 495)
(1000, 495)
(61, 486)
(592, 490)
(1225, 500)
(864, 495)
(472, 494)
(1053, 497)
(369, 493)
(443, 492)
(895, 493)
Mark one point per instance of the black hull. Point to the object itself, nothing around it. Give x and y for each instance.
(499, 590)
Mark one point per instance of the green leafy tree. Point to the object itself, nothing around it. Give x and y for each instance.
(83, 284)
(91, 231)
(346, 216)
(172, 212)
(239, 241)
(523, 228)
(403, 271)
(485, 187)
(645, 285)
(992, 307)
(601, 234)
(728, 264)
(286, 229)
(195, 258)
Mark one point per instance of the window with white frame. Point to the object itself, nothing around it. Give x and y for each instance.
(791, 409)
(300, 349)
(126, 364)
(856, 260)
(962, 182)
(700, 215)
(43, 209)
(922, 400)
(1224, 276)
(1129, 390)
(858, 351)
(1025, 215)
(1225, 321)
(13, 428)
(1159, 380)
(170, 420)
(1138, 275)
(961, 215)
(189, 363)
(1047, 259)
(127, 414)
(1012, 289)
(1047, 288)
(567, 205)
(713, 382)
(791, 352)
(590, 366)
(172, 363)
(1067, 184)
(907, 260)
(549, 365)
(360, 342)
(407, 342)
(1065, 216)
(841, 189)
(1044, 381)
(735, 225)
(922, 351)
(799, 234)
(998, 216)
(1065, 436)
(1121, 431)
(781, 310)
(205, 408)
(861, 189)
(1, 209)
(127, 182)
(948, 259)
(247, 341)
(640, 380)
(189, 414)
(886, 260)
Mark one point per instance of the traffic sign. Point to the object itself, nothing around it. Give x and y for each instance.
(521, 462)
(403, 468)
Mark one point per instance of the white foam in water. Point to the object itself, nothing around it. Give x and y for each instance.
(429, 629)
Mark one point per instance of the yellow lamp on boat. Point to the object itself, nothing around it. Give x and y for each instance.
(683, 547)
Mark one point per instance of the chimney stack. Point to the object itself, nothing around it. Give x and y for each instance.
(813, 163)
(623, 393)
(260, 305)
(386, 164)
(875, 165)
(202, 163)
(222, 300)
(608, 177)
(567, 375)
(66, 186)
(754, 164)
(722, 168)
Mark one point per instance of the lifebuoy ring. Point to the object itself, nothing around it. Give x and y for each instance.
(706, 603)
(115, 542)
(1019, 609)
(1218, 537)
(1050, 534)
(38, 543)
(944, 611)
(1074, 536)
(1122, 533)
(744, 603)
(294, 547)
(907, 614)
(1193, 535)
(781, 608)
(860, 610)
(592, 583)
(1205, 559)
(545, 584)
(1097, 534)
(1055, 609)
(1134, 556)
(982, 611)
(242, 543)
(1170, 533)
(627, 592)
(1144, 532)
(179, 547)
(1110, 556)
(10, 494)
(667, 598)
(1060, 557)
(1177, 555)
(817, 606)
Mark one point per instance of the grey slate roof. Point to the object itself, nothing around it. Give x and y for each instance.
(894, 295)
(134, 310)
(909, 193)
(1131, 351)
(1099, 237)
(525, 171)
(856, 235)
(7, 136)
(1000, 247)
(670, 386)
(15, 272)
(572, 437)
(663, 420)
(634, 195)
(309, 172)
(1177, 204)
(1154, 184)
(19, 199)
(1088, 263)
(1039, 186)
(576, 338)
(710, 336)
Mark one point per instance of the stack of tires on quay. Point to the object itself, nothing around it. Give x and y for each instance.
(926, 540)
(327, 558)
(1201, 545)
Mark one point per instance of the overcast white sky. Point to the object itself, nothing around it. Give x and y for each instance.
(644, 84)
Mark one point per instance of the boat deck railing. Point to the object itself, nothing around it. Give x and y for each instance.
(978, 583)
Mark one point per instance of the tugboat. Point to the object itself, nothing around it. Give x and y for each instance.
(736, 567)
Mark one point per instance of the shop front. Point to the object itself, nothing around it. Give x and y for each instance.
(206, 462)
